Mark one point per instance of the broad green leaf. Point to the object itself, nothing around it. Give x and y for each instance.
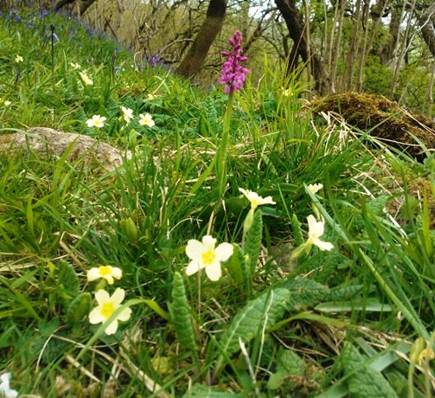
(78, 308)
(297, 231)
(291, 362)
(368, 305)
(128, 227)
(23, 279)
(256, 315)
(181, 315)
(237, 268)
(305, 292)
(277, 379)
(252, 244)
(154, 305)
(20, 298)
(364, 382)
(344, 292)
(377, 363)
(288, 364)
(68, 279)
(200, 391)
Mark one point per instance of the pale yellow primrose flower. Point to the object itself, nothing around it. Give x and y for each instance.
(426, 354)
(127, 114)
(314, 188)
(5, 388)
(75, 66)
(87, 81)
(107, 305)
(315, 231)
(96, 121)
(106, 272)
(255, 199)
(204, 255)
(18, 59)
(151, 97)
(287, 92)
(146, 120)
(7, 103)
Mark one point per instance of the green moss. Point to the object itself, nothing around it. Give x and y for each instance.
(383, 118)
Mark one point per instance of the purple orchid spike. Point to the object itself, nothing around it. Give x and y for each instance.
(233, 74)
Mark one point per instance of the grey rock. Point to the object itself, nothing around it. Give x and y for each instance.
(49, 142)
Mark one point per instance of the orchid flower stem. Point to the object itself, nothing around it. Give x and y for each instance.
(222, 149)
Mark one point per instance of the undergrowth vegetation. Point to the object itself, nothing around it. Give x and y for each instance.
(281, 313)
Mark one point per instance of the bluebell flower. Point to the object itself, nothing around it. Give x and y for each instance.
(154, 60)
(43, 13)
(54, 37)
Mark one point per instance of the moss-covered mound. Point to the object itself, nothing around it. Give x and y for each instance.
(384, 119)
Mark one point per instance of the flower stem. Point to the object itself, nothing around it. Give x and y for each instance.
(222, 148)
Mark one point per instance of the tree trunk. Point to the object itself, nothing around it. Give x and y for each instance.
(84, 5)
(294, 22)
(354, 44)
(387, 52)
(244, 17)
(195, 57)
(404, 49)
(427, 25)
(307, 36)
(430, 90)
(338, 24)
(62, 3)
(363, 50)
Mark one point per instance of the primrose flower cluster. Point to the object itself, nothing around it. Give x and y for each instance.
(127, 115)
(205, 255)
(85, 79)
(108, 304)
(145, 119)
